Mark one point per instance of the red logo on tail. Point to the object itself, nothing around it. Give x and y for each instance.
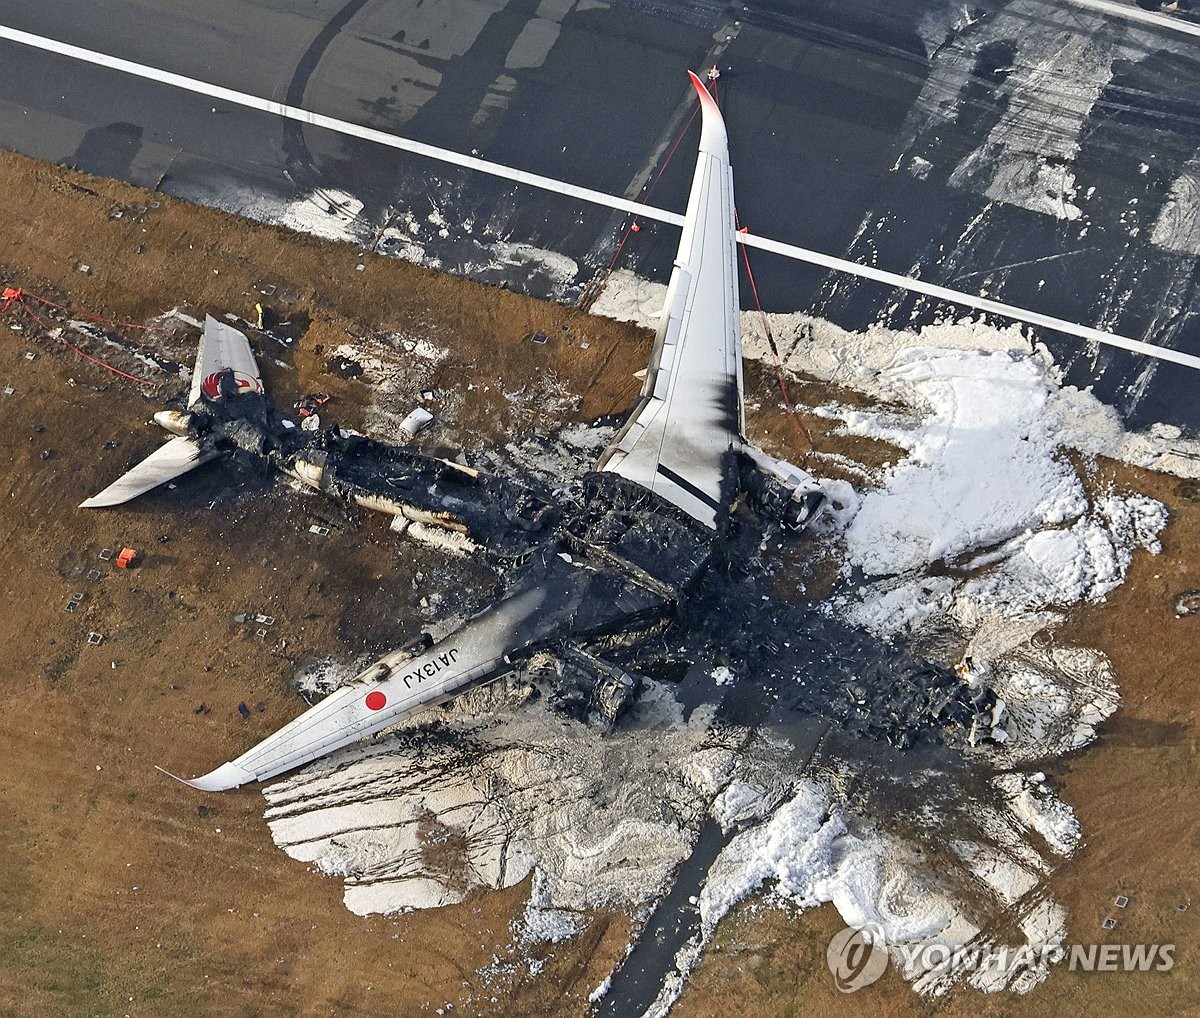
(211, 386)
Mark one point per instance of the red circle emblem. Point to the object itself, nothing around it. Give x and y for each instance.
(211, 386)
(376, 700)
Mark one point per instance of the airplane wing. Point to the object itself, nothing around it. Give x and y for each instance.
(223, 348)
(562, 597)
(690, 412)
(388, 691)
(175, 458)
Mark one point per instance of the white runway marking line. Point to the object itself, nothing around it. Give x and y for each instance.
(594, 197)
(1131, 12)
(970, 300)
(333, 124)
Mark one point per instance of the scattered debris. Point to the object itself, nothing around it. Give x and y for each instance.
(1187, 603)
(417, 421)
(309, 403)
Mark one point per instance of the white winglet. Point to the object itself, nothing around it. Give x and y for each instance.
(225, 777)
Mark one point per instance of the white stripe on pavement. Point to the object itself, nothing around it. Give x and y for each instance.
(588, 195)
(970, 300)
(279, 109)
(1132, 12)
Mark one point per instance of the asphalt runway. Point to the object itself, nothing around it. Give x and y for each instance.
(1042, 153)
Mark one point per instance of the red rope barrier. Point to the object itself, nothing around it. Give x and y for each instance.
(780, 375)
(634, 225)
(84, 314)
(778, 363)
(18, 297)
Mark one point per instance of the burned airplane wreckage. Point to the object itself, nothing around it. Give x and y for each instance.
(660, 549)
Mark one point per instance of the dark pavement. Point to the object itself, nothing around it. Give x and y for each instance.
(1039, 152)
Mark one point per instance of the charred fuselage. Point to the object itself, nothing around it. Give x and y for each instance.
(606, 568)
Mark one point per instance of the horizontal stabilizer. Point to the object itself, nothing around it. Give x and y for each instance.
(172, 460)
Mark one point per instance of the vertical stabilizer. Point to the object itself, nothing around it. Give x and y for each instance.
(223, 349)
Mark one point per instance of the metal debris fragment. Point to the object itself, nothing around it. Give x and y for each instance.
(1187, 603)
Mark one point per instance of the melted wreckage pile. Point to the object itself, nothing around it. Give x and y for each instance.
(646, 592)
(651, 527)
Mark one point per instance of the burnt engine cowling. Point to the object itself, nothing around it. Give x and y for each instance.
(778, 490)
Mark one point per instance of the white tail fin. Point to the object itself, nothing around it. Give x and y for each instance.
(223, 348)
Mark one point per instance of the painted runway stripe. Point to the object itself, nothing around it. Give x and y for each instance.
(1131, 12)
(303, 116)
(984, 304)
(536, 180)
